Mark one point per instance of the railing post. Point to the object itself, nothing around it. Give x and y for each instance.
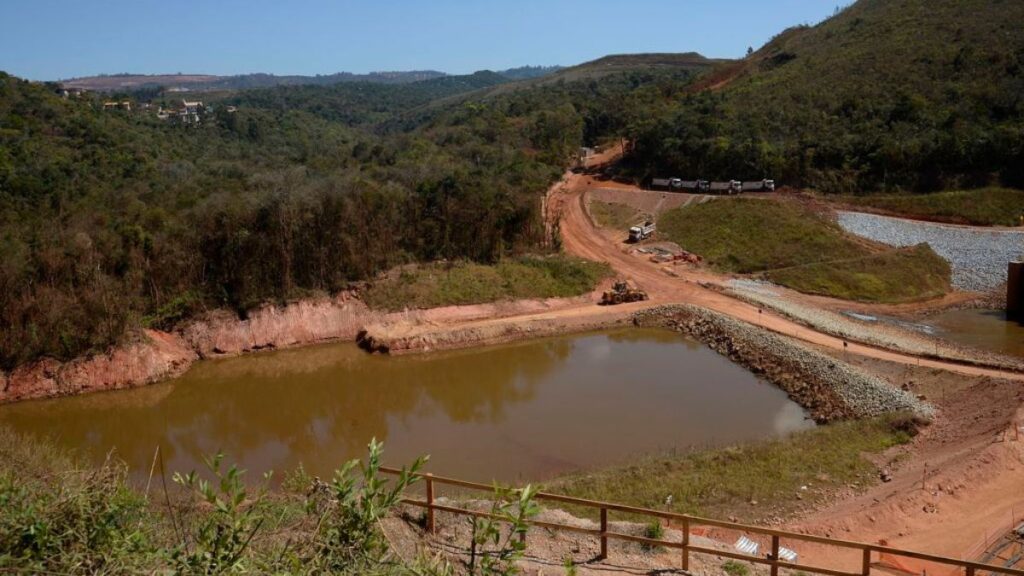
(865, 567)
(970, 571)
(686, 544)
(604, 533)
(775, 555)
(430, 502)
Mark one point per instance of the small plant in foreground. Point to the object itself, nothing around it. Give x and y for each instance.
(512, 507)
(224, 534)
(655, 531)
(350, 510)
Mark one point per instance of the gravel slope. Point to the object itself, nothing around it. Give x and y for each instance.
(868, 332)
(827, 388)
(978, 256)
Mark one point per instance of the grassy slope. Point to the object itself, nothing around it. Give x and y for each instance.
(876, 51)
(723, 483)
(897, 276)
(745, 235)
(429, 286)
(614, 215)
(985, 207)
(797, 247)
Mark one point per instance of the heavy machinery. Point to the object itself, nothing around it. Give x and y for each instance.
(622, 291)
(642, 231)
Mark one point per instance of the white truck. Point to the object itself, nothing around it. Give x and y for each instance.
(730, 187)
(759, 186)
(641, 231)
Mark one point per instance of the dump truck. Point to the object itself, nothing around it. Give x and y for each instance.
(661, 183)
(622, 291)
(759, 186)
(641, 231)
(730, 187)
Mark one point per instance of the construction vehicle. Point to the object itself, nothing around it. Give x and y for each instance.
(759, 186)
(642, 231)
(622, 291)
(730, 187)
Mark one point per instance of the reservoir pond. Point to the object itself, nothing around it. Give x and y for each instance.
(983, 329)
(518, 412)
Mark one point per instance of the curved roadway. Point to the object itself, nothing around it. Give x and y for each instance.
(581, 238)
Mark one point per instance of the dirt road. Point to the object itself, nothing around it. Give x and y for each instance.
(582, 238)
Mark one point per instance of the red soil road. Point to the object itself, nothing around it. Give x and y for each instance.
(581, 237)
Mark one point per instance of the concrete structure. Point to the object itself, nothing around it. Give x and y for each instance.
(1015, 291)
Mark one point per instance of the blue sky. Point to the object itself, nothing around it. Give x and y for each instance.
(53, 39)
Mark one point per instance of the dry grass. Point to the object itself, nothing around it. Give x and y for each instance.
(898, 276)
(461, 283)
(797, 247)
(752, 481)
(985, 207)
(615, 215)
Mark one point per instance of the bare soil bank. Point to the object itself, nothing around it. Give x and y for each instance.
(160, 355)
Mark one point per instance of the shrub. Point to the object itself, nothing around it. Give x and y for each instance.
(734, 568)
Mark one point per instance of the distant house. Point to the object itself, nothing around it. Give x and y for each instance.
(123, 105)
(66, 93)
(191, 111)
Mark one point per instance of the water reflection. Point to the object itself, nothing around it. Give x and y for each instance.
(514, 412)
(984, 329)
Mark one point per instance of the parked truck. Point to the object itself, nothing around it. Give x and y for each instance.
(641, 231)
(759, 186)
(730, 187)
(705, 187)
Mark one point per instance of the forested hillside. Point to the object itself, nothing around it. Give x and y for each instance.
(888, 94)
(113, 220)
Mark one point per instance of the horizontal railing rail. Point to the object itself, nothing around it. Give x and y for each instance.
(687, 522)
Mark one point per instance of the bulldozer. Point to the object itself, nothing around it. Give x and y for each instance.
(622, 291)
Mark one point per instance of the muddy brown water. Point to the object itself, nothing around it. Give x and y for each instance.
(519, 412)
(983, 329)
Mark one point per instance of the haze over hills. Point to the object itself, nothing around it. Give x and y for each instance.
(206, 82)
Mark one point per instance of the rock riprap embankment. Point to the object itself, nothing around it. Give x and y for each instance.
(978, 256)
(868, 330)
(828, 388)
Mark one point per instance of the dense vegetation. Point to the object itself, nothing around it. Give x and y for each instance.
(364, 102)
(111, 220)
(60, 517)
(888, 94)
(796, 246)
(448, 284)
(983, 207)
